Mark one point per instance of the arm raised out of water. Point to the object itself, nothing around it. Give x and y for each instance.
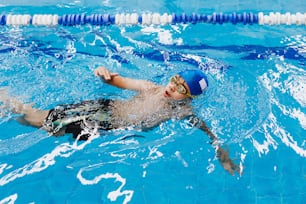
(222, 155)
(122, 82)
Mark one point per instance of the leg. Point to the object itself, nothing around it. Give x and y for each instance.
(34, 117)
(31, 116)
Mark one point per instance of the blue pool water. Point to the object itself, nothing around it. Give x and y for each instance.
(256, 104)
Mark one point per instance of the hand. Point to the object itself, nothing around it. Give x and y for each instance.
(226, 162)
(105, 73)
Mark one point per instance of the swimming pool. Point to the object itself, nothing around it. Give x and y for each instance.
(255, 104)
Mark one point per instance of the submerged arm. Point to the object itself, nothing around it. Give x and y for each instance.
(222, 155)
(122, 82)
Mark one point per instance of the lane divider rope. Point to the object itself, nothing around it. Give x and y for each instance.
(246, 18)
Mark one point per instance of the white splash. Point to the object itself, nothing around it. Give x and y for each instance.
(164, 36)
(10, 199)
(38, 165)
(285, 136)
(180, 158)
(263, 148)
(154, 153)
(3, 167)
(296, 83)
(294, 86)
(211, 167)
(298, 42)
(42, 163)
(113, 195)
(144, 173)
(296, 113)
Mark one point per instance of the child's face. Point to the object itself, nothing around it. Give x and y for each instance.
(177, 88)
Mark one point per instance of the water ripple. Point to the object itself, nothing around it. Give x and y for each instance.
(113, 195)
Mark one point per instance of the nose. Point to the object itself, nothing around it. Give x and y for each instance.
(172, 88)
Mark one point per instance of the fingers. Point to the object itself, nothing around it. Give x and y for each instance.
(100, 71)
(105, 73)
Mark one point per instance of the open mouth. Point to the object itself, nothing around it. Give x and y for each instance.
(166, 94)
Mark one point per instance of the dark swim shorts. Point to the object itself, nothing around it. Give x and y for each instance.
(79, 119)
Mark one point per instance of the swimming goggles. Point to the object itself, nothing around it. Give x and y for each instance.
(180, 88)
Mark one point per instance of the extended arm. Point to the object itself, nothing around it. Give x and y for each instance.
(222, 155)
(122, 82)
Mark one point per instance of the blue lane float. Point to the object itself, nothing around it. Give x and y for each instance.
(245, 18)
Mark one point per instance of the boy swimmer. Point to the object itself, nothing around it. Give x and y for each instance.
(151, 106)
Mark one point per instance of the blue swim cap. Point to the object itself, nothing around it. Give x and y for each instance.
(196, 81)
